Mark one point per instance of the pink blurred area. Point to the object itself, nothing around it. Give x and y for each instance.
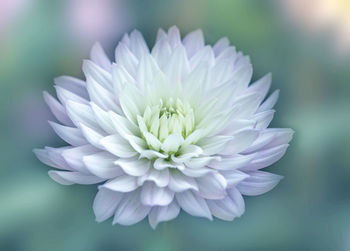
(327, 16)
(9, 11)
(96, 20)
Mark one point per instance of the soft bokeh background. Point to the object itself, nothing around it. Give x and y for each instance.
(304, 43)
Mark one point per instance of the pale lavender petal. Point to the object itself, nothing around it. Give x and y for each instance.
(258, 183)
(193, 204)
(105, 204)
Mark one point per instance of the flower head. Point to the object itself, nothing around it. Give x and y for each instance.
(177, 127)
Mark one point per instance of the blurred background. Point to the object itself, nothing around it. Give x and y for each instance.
(304, 43)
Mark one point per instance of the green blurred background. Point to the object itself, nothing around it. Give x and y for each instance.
(304, 43)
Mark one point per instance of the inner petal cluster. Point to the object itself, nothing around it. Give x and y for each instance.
(168, 119)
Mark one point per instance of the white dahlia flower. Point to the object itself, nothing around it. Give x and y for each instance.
(175, 127)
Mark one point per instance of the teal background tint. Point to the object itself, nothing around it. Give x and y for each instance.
(310, 63)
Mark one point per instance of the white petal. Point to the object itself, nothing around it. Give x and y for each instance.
(105, 204)
(102, 165)
(205, 56)
(220, 73)
(160, 214)
(99, 56)
(228, 53)
(152, 141)
(262, 85)
(152, 195)
(174, 36)
(121, 78)
(126, 58)
(93, 136)
(242, 76)
(281, 136)
(196, 173)
(69, 178)
(81, 113)
(126, 40)
(123, 183)
(177, 66)
(258, 183)
(118, 146)
(137, 44)
(269, 102)
(238, 124)
(74, 85)
(233, 177)
(137, 143)
(64, 96)
(180, 183)
(230, 207)
(130, 210)
(160, 178)
(186, 153)
(172, 143)
(131, 101)
(194, 84)
(193, 42)
(52, 157)
(193, 204)
(101, 76)
(161, 34)
(74, 156)
(123, 126)
(57, 109)
(161, 52)
(269, 138)
(71, 135)
(151, 154)
(161, 164)
(248, 104)
(213, 145)
(241, 141)
(231, 163)
(221, 45)
(263, 119)
(146, 70)
(212, 186)
(42, 155)
(201, 161)
(134, 166)
(100, 95)
(103, 119)
(267, 157)
(55, 155)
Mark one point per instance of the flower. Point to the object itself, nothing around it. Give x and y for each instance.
(175, 128)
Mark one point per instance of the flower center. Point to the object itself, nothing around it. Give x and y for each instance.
(168, 117)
